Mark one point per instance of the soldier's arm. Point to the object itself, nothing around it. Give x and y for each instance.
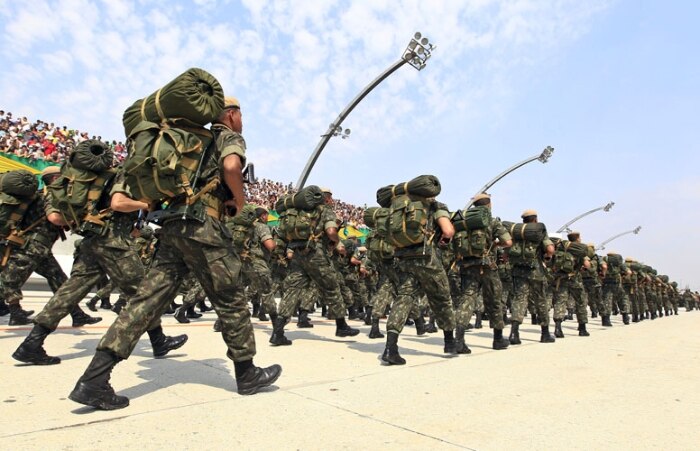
(124, 204)
(269, 244)
(233, 177)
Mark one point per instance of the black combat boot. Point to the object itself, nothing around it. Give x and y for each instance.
(582, 332)
(92, 303)
(277, 338)
(4, 309)
(545, 336)
(93, 388)
(626, 318)
(343, 330)
(499, 342)
(80, 318)
(533, 319)
(391, 351)
(303, 320)
(106, 304)
(256, 307)
(353, 313)
(431, 328)
(409, 322)
(368, 315)
(557, 329)
(460, 344)
(615, 310)
(514, 333)
(635, 318)
(675, 311)
(18, 317)
(162, 344)
(32, 348)
(203, 307)
(324, 311)
(606, 321)
(594, 314)
(374, 332)
(261, 313)
(653, 314)
(450, 342)
(420, 325)
(569, 314)
(250, 378)
(192, 314)
(477, 321)
(181, 315)
(217, 325)
(647, 315)
(121, 303)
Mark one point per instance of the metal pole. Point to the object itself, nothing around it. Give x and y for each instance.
(602, 245)
(565, 227)
(416, 54)
(542, 157)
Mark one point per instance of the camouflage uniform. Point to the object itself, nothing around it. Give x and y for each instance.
(592, 285)
(613, 293)
(480, 275)
(422, 269)
(255, 265)
(34, 256)
(529, 281)
(202, 247)
(110, 253)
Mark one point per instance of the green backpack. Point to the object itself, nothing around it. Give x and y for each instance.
(78, 191)
(473, 237)
(17, 190)
(296, 224)
(163, 159)
(408, 222)
(564, 261)
(241, 227)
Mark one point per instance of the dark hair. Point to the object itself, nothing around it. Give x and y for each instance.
(482, 202)
(531, 218)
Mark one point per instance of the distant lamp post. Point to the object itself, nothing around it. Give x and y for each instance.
(602, 245)
(565, 228)
(416, 55)
(541, 157)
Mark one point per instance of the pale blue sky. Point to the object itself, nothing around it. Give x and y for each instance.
(612, 85)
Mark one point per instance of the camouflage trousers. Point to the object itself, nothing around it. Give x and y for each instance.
(507, 293)
(386, 292)
(309, 298)
(568, 289)
(594, 294)
(97, 256)
(633, 298)
(359, 298)
(345, 292)
(455, 281)
(104, 286)
(216, 267)
(193, 292)
(527, 288)
(424, 273)
(278, 273)
(35, 257)
(258, 273)
(482, 280)
(614, 294)
(307, 266)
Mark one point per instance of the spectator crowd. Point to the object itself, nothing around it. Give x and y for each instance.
(39, 140)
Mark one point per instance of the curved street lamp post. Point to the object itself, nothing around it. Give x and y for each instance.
(602, 245)
(565, 227)
(416, 55)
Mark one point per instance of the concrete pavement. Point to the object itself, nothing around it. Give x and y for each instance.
(623, 387)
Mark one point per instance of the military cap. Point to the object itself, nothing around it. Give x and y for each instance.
(231, 102)
(326, 190)
(527, 213)
(259, 209)
(481, 196)
(50, 170)
(629, 259)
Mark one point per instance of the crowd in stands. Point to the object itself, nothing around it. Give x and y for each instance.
(39, 140)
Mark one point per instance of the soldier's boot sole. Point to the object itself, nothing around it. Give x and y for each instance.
(257, 378)
(280, 340)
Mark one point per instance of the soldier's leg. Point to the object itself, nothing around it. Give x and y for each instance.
(577, 292)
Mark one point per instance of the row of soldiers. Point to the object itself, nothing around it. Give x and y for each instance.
(455, 271)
